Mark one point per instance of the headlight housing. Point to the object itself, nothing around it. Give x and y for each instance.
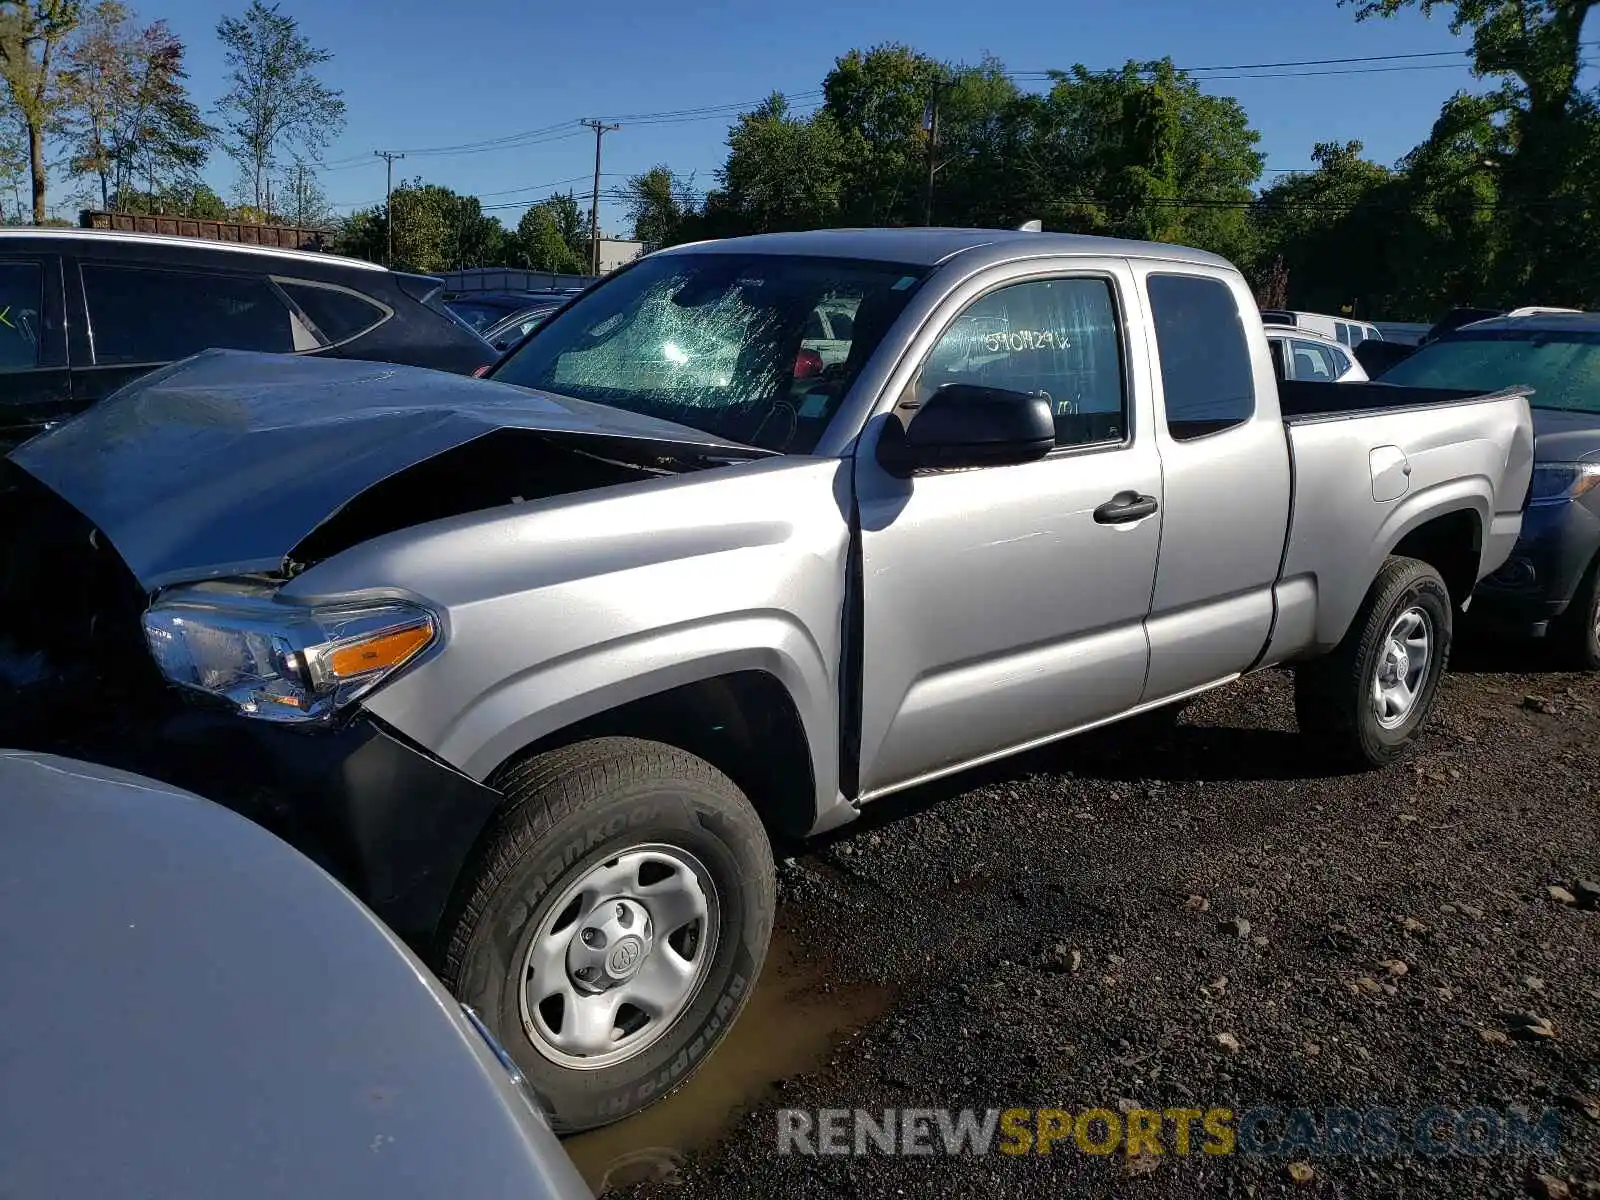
(283, 663)
(1557, 483)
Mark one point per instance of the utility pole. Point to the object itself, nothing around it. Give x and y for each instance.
(299, 194)
(388, 157)
(933, 147)
(600, 130)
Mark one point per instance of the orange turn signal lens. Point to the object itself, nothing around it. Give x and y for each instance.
(381, 653)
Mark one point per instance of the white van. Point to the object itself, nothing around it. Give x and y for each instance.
(1342, 330)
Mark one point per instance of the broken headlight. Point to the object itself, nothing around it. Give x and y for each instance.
(280, 663)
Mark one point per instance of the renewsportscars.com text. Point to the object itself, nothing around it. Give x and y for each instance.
(1333, 1132)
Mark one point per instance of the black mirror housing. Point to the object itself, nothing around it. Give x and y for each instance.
(964, 425)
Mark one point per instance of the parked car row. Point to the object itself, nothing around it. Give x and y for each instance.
(744, 538)
(1347, 331)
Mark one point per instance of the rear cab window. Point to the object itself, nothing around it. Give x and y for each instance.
(1206, 376)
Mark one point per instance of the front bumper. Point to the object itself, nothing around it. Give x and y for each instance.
(390, 822)
(1537, 582)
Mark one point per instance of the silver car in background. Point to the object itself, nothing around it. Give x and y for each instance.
(1301, 354)
(192, 1009)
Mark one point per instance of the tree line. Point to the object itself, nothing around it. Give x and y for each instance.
(96, 97)
(1500, 204)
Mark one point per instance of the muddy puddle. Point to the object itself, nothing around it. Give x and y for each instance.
(793, 1019)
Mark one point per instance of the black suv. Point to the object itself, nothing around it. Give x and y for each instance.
(84, 311)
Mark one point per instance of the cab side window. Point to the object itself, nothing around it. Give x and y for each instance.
(141, 314)
(21, 315)
(1206, 375)
(1056, 338)
(338, 315)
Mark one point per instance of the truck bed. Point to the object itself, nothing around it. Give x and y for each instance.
(1303, 400)
(1370, 460)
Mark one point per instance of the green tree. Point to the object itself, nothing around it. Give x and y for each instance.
(1142, 152)
(879, 101)
(361, 234)
(1447, 237)
(782, 172)
(1331, 228)
(1545, 133)
(435, 230)
(299, 197)
(660, 205)
(13, 169)
(552, 236)
(33, 35)
(128, 114)
(275, 101)
(185, 199)
(480, 239)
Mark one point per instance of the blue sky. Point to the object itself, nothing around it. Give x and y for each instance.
(418, 74)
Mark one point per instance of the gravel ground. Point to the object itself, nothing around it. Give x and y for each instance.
(1067, 929)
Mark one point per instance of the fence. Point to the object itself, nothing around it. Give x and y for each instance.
(506, 279)
(287, 237)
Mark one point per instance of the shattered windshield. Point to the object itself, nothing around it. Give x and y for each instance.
(756, 348)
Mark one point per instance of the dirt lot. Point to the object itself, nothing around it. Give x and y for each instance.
(1060, 931)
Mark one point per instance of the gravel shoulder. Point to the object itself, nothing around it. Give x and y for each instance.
(1197, 916)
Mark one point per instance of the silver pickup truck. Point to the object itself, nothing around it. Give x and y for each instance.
(539, 664)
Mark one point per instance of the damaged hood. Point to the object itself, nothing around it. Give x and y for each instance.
(223, 463)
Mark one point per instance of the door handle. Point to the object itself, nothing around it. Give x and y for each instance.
(1125, 507)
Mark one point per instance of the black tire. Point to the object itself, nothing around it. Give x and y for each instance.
(1578, 630)
(569, 811)
(1333, 694)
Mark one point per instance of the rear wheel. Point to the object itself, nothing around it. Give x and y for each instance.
(1579, 627)
(1366, 700)
(614, 923)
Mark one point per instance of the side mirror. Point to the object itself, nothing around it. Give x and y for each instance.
(964, 425)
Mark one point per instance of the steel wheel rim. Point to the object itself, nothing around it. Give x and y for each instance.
(1404, 658)
(619, 956)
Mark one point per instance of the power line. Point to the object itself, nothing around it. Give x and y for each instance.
(535, 187)
(1303, 62)
(1337, 71)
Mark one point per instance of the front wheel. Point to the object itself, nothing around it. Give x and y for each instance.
(1366, 700)
(614, 923)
